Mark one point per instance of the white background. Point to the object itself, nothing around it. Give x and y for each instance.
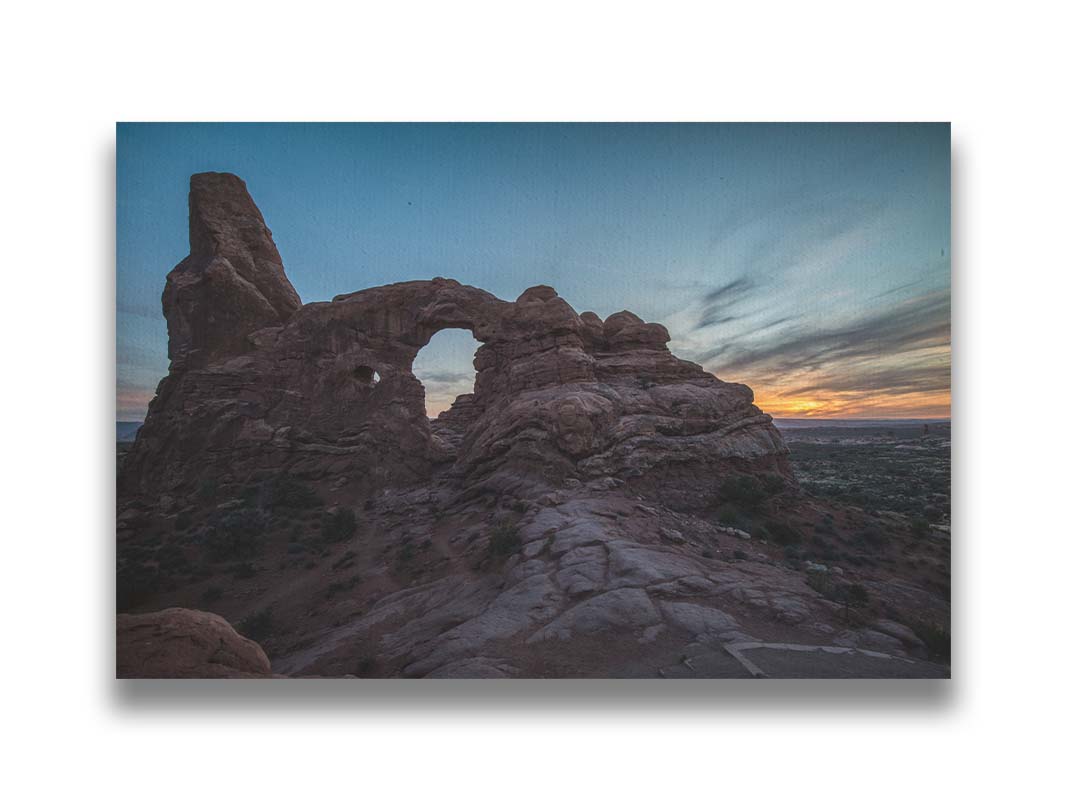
(70, 70)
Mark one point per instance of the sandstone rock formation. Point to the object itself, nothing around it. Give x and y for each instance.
(232, 282)
(260, 384)
(180, 643)
(556, 522)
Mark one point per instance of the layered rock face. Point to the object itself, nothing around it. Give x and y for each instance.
(232, 283)
(261, 385)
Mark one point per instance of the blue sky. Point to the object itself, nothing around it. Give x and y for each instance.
(810, 261)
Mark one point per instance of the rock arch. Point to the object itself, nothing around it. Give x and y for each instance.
(259, 383)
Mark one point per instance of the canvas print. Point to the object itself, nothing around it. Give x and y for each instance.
(533, 401)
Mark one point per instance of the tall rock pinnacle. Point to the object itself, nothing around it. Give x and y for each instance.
(232, 283)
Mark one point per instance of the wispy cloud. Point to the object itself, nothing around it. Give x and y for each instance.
(446, 376)
(719, 302)
(913, 324)
(897, 356)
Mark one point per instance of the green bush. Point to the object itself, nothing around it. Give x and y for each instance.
(822, 583)
(212, 594)
(851, 594)
(773, 484)
(729, 517)
(406, 553)
(208, 490)
(243, 571)
(743, 490)
(340, 526)
(136, 582)
(287, 492)
(344, 562)
(750, 491)
(782, 533)
(504, 540)
(341, 586)
(366, 666)
(872, 539)
(258, 625)
(237, 534)
(937, 639)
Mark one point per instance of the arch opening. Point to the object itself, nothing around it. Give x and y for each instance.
(445, 368)
(367, 375)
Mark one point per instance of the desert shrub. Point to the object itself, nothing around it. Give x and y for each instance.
(136, 582)
(919, 527)
(852, 594)
(254, 494)
(504, 540)
(208, 490)
(822, 583)
(244, 570)
(340, 526)
(743, 490)
(831, 553)
(871, 539)
(287, 492)
(773, 484)
(345, 561)
(750, 491)
(782, 533)
(212, 594)
(825, 526)
(341, 586)
(405, 553)
(365, 666)
(258, 625)
(236, 534)
(171, 557)
(740, 555)
(729, 516)
(937, 639)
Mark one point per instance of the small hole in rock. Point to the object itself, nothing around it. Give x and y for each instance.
(367, 375)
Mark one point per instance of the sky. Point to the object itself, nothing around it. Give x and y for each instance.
(809, 261)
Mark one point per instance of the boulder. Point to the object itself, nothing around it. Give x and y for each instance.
(183, 643)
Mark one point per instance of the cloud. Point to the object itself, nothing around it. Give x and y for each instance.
(892, 360)
(916, 323)
(446, 376)
(893, 380)
(718, 302)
